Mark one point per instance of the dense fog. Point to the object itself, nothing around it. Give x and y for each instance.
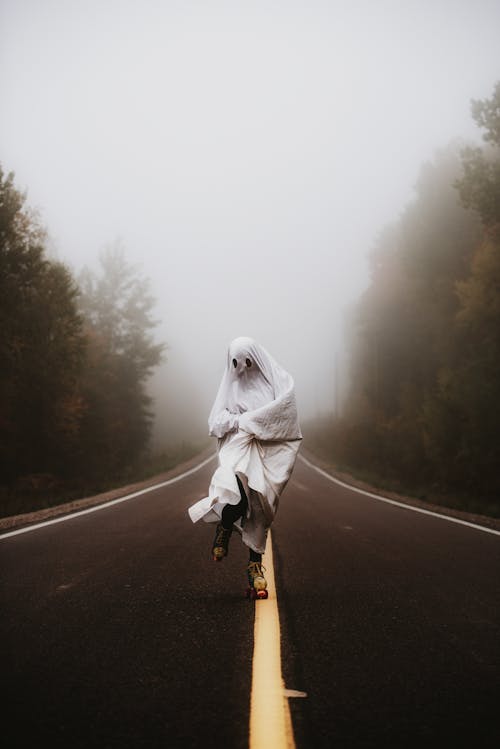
(245, 155)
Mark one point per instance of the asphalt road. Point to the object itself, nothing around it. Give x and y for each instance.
(118, 630)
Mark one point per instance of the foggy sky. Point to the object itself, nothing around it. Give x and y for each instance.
(246, 153)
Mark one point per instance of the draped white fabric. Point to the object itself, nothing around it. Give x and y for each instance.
(254, 417)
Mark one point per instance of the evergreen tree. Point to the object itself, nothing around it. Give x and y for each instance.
(406, 319)
(480, 185)
(117, 307)
(425, 397)
(41, 346)
(472, 388)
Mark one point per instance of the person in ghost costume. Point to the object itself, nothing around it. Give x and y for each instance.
(254, 418)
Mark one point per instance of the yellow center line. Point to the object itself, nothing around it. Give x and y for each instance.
(270, 722)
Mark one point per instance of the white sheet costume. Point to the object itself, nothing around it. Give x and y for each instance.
(254, 417)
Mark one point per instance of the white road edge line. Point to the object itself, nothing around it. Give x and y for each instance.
(399, 504)
(102, 506)
(270, 721)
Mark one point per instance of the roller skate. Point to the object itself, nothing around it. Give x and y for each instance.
(220, 546)
(257, 583)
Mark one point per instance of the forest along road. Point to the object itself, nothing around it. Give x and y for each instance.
(118, 630)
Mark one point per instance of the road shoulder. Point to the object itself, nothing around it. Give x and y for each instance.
(484, 520)
(13, 522)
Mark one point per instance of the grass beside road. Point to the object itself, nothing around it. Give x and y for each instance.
(42, 491)
(322, 451)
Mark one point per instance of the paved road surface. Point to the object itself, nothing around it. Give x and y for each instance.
(118, 630)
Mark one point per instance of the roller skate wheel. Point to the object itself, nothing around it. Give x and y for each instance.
(253, 594)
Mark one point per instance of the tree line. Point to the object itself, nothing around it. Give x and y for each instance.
(75, 356)
(423, 408)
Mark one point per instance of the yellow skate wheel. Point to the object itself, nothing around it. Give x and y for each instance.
(219, 553)
(260, 583)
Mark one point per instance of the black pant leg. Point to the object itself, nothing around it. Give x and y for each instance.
(232, 513)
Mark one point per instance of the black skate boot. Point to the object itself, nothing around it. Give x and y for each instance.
(257, 583)
(220, 547)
